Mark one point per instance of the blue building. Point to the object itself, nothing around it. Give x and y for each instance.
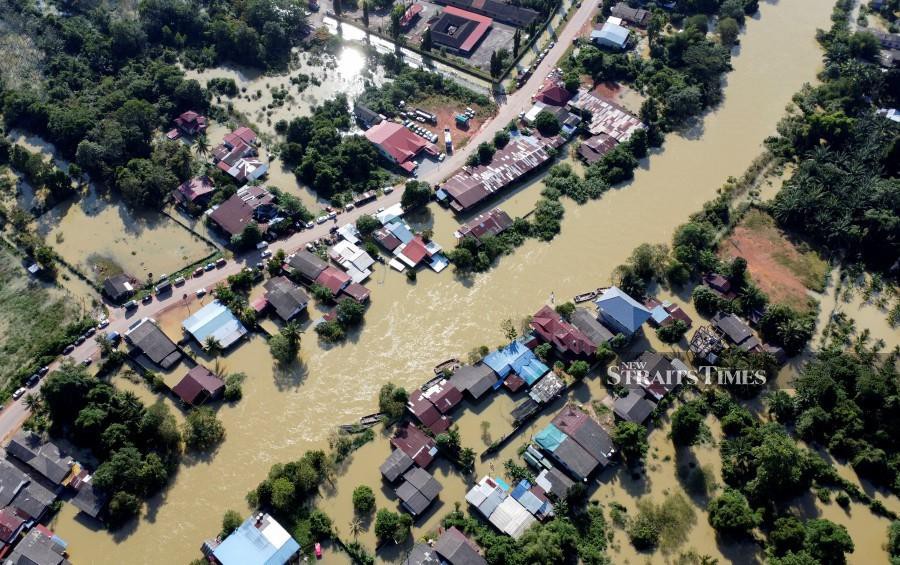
(260, 540)
(216, 321)
(620, 312)
(610, 35)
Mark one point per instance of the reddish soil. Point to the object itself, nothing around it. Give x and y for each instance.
(765, 250)
(446, 117)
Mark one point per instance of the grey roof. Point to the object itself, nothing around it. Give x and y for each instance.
(574, 458)
(412, 499)
(559, 483)
(474, 379)
(736, 330)
(424, 482)
(118, 287)
(366, 115)
(34, 500)
(590, 326)
(44, 457)
(12, 479)
(637, 16)
(395, 465)
(421, 554)
(634, 407)
(36, 549)
(594, 440)
(307, 264)
(286, 298)
(89, 500)
(154, 343)
(457, 549)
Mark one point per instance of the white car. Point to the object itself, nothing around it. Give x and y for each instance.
(321, 219)
(103, 323)
(380, 210)
(201, 292)
(19, 392)
(388, 189)
(266, 254)
(262, 244)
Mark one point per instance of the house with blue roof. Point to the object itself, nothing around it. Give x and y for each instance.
(506, 359)
(620, 312)
(610, 35)
(215, 320)
(260, 540)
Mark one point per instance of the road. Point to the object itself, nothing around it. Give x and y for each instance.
(16, 412)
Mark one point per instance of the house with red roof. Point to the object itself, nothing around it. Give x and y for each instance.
(191, 123)
(398, 145)
(11, 526)
(494, 222)
(196, 191)
(444, 396)
(568, 340)
(198, 386)
(427, 413)
(357, 292)
(410, 14)
(553, 93)
(236, 156)
(333, 279)
(250, 203)
(413, 442)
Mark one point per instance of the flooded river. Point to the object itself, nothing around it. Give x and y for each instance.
(410, 327)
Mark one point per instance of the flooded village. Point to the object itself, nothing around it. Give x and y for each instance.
(508, 407)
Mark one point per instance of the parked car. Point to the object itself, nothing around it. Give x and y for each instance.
(69, 349)
(131, 304)
(209, 267)
(201, 292)
(262, 244)
(32, 380)
(310, 225)
(388, 189)
(87, 361)
(265, 254)
(79, 340)
(19, 392)
(221, 262)
(198, 272)
(179, 281)
(90, 332)
(147, 299)
(321, 219)
(114, 337)
(43, 370)
(103, 323)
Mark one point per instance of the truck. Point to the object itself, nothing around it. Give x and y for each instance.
(448, 141)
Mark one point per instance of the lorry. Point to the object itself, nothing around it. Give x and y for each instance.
(448, 141)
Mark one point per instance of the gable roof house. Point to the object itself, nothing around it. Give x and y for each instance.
(356, 262)
(636, 16)
(474, 379)
(412, 441)
(590, 326)
(366, 117)
(634, 407)
(398, 145)
(198, 386)
(250, 203)
(566, 452)
(11, 525)
(658, 376)
(215, 321)
(22, 494)
(459, 31)
(45, 457)
(456, 549)
(605, 116)
(236, 156)
(586, 432)
(418, 490)
(260, 540)
(427, 413)
(153, 343)
(307, 265)
(738, 333)
(491, 223)
(565, 338)
(38, 547)
(397, 463)
(333, 279)
(499, 10)
(197, 191)
(191, 123)
(620, 312)
(287, 299)
(553, 94)
(117, 288)
(596, 147)
(610, 35)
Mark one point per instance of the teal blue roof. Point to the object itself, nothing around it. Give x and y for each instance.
(549, 438)
(251, 545)
(625, 310)
(217, 321)
(532, 371)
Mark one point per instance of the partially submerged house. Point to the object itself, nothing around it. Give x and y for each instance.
(260, 539)
(191, 123)
(620, 312)
(588, 324)
(586, 432)
(565, 338)
(634, 407)
(248, 204)
(307, 266)
(39, 547)
(366, 117)
(736, 331)
(199, 385)
(118, 288)
(399, 145)
(194, 192)
(146, 337)
(474, 380)
(44, 457)
(412, 441)
(417, 491)
(333, 279)
(554, 482)
(594, 148)
(567, 453)
(354, 260)
(286, 299)
(502, 510)
(427, 413)
(236, 156)
(214, 321)
(604, 116)
(24, 495)
(491, 223)
(397, 463)
(456, 549)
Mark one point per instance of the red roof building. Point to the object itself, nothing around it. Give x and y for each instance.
(594, 148)
(494, 222)
(198, 386)
(410, 14)
(554, 94)
(415, 250)
(563, 336)
(460, 30)
(194, 191)
(333, 279)
(357, 292)
(427, 413)
(11, 524)
(191, 122)
(415, 443)
(398, 144)
(242, 134)
(444, 396)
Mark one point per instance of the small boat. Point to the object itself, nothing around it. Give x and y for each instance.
(431, 382)
(318, 550)
(371, 419)
(451, 365)
(587, 296)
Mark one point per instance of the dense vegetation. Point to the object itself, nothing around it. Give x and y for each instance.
(139, 447)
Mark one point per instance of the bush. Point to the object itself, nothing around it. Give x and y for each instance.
(230, 522)
(730, 514)
(202, 430)
(707, 302)
(415, 194)
(363, 500)
(392, 401)
(672, 333)
(392, 527)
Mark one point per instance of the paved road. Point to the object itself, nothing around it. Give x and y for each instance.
(15, 413)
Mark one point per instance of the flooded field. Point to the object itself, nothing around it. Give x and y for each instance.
(411, 327)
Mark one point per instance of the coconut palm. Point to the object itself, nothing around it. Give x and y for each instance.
(201, 145)
(291, 332)
(355, 527)
(212, 346)
(33, 402)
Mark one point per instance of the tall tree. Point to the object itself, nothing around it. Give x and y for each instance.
(426, 39)
(365, 14)
(517, 40)
(337, 7)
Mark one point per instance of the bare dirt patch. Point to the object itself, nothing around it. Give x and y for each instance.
(782, 269)
(446, 109)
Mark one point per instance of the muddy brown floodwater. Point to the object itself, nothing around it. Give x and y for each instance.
(410, 327)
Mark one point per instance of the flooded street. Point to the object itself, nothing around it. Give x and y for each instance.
(411, 327)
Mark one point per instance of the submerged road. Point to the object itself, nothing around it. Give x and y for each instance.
(16, 412)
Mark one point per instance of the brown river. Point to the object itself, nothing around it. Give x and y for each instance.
(411, 327)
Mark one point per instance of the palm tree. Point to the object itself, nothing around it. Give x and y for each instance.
(355, 527)
(219, 369)
(291, 332)
(212, 346)
(201, 145)
(33, 402)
